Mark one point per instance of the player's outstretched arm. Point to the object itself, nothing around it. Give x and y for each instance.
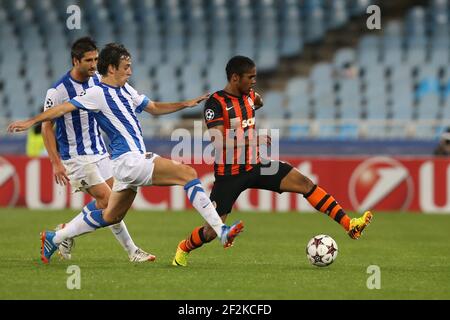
(53, 113)
(160, 108)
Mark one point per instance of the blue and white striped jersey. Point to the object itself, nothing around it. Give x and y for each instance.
(77, 133)
(115, 110)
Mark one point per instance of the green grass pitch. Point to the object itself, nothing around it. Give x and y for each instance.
(267, 261)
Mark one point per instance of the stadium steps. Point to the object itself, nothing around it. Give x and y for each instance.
(334, 40)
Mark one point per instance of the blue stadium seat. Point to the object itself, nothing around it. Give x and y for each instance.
(416, 50)
(446, 74)
(368, 54)
(399, 72)
(376, 130)
(373, 75)
(291, 33)
(298, 106)
(348, 131)
(394, 28)
(216, 78)
(439, 5)
(358, 7)
(427, 71)
(314, 25)
(439, 24)
(350, 108)
(425, 131)
(427, 86)
(415, 22)
(322, 73)
(402, 108)
(439, 57)
(392, 56)
(192, 81)
(274, 102)
(244, 37)
(336, 13)
(328, 131)
(428, 107)
(446, 91)
(267, 60)
(344, 56)
(375, 109)
(297, 85)
(324, 107)
(18, 104)
(167, 82)
(297, 130)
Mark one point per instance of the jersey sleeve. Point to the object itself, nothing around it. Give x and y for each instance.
(52, 99)
(213, 113)
(140, 101)
(90, 100)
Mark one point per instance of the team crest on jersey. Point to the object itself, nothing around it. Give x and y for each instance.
(49, 103)
(209, 114)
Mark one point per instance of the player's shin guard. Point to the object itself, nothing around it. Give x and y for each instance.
(77, 226)
(194, 241)
(95, 219)
(326, 203)
(200, 201)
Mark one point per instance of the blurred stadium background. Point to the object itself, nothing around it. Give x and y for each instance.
(322, 73)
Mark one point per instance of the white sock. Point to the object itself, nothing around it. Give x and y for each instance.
(76, 227)
(79, 216)
(88, 220)
(120, 231)
(203, 205)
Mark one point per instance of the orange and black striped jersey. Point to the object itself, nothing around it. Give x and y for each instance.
(237, 116)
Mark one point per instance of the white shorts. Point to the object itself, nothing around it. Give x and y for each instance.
(87, 171)
(132, 170)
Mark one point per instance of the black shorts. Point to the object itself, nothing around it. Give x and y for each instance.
(226, 189)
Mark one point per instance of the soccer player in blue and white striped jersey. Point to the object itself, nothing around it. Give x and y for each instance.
(115, 104)
(83, 160)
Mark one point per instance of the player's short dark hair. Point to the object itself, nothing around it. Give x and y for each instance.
(239, 65)
(111, 54)
(81, 46)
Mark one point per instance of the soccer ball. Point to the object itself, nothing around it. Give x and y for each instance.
(321, 250)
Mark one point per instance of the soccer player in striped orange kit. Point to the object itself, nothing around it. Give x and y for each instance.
(230, 117)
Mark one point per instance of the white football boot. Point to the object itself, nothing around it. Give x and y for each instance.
(65, 247)
(141, 256)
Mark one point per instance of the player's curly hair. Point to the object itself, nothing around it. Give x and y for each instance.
(111, 54)
(239, 65)
(81, 46)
